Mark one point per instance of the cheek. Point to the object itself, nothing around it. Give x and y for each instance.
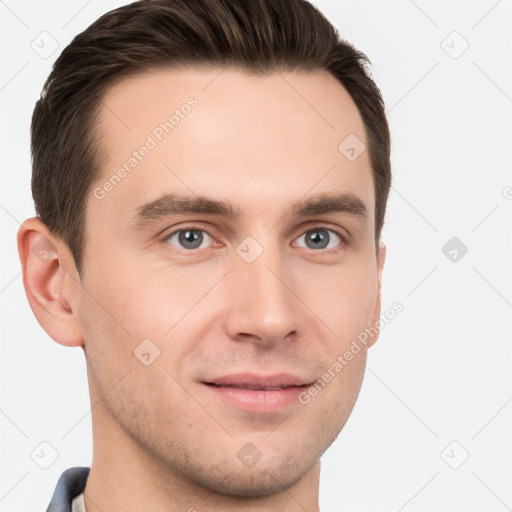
(127, 358)
(163, 290)
(130, 310)
(344, 298)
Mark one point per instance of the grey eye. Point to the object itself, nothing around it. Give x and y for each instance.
(189, 238)
(320, 238)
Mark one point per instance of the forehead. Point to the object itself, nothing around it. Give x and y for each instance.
(226, 132)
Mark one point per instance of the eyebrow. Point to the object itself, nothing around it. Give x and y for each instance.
(175, 204)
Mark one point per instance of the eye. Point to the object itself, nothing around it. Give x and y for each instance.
(321, 238)
(189, 239)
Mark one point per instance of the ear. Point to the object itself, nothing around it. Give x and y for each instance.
(381, 259)
(51, 281)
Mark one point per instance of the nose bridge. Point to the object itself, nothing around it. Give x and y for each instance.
(261, 303)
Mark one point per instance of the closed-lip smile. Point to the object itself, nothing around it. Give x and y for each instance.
(258, 393)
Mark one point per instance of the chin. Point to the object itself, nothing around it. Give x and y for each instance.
(247, 482)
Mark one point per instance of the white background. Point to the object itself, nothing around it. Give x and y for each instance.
(441, 371)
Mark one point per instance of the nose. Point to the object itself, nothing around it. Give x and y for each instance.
(261, 305)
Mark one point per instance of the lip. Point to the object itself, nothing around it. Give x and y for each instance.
(258, 393)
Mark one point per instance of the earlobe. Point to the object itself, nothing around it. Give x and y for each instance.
(381, 260)
(47, 281)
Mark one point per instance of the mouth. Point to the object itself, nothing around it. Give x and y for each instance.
(255, 382)
(258, 393)
(252, 387)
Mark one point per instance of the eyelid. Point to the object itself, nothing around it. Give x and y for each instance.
(335, 228)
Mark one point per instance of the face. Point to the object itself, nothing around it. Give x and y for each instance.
(227, 269)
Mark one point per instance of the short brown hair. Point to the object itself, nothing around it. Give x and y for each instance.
(258, 36)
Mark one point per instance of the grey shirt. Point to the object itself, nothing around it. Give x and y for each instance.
(70, 485)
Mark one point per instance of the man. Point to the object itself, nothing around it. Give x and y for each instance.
(210, 180)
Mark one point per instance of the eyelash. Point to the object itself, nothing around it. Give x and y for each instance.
(313, 228)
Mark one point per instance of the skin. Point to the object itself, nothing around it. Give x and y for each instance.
(162, 441)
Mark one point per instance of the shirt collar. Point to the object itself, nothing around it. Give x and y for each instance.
(70, 484)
